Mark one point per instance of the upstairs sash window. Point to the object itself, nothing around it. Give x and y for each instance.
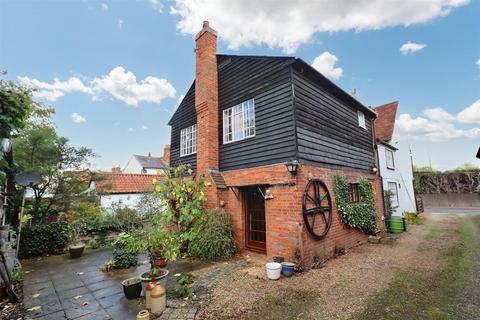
(239, 122)
(188, 141)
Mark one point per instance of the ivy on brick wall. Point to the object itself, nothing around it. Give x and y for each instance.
(359, 215)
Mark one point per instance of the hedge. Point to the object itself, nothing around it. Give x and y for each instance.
(43, 239)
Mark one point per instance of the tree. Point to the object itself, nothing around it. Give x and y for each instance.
(39, 148)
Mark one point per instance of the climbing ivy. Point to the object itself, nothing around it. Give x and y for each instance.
(359, 215)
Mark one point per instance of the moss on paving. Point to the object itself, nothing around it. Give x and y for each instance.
(426, 294)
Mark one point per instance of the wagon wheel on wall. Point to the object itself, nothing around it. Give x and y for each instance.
(317, 208)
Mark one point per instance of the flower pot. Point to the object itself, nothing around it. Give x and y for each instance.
(273, 270)
(288, 268)
(76, 251)
(161, 278)
(159, 262)
(278, 259)
(132, 288)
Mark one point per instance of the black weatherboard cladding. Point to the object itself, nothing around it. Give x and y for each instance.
(267, 81)
(325, 116)
(327, 128)
(185, 116)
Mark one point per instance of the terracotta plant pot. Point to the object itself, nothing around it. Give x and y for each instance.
(159, 262)
(132, 288)
(76, 251)
(162, 278)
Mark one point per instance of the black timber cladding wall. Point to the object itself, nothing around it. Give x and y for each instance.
(267, 81)
(327, 128)
(185, 116)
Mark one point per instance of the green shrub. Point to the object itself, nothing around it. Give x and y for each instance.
(412, 217)
(17, 275)
(360, 215)
(84, 210)
(214, 237)
(125, 250)
(44, 238)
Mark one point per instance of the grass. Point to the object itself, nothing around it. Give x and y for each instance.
(425, 294)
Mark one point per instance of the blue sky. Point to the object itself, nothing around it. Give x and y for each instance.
(101, 45)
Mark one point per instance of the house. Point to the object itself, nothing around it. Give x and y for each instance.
(395, 164)
(117, 187)
(269, 134)
(148, 164)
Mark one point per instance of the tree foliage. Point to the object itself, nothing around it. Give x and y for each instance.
(38, 148)
(183, 199)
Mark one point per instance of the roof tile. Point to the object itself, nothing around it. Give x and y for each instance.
(385, 122)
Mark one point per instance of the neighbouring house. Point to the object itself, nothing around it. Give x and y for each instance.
(148, 164)
(395, 164)
(269, 134)
(117, 187)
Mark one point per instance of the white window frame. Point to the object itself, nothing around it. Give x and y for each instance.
(393, 188)
(361, 120)
(390, 162)
(188, 141)
(239, 122)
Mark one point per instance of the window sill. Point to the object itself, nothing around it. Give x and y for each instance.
(230, 142)
(186, 155)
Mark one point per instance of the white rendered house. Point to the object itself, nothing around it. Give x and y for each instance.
(394, 161)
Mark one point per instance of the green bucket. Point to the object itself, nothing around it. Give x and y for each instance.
(396, 224)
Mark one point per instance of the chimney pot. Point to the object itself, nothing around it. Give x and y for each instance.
(206, 24)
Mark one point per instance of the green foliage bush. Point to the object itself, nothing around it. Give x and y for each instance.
(360, 215)
(214, 238)
(412, 217)
(125, 250)
(44, 238)
(183, 199)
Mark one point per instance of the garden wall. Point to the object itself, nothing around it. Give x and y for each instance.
(451, 200)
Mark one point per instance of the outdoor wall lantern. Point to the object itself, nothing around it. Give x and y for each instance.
(292, 166)
(374, 169)
(6, 145)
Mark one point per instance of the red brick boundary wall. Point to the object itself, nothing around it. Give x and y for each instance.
(286, 232)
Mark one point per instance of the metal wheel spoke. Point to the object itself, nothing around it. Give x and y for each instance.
(316, 192)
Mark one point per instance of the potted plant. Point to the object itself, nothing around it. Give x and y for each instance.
(76, 247)
(157, 274)
(132, 287)
(162, 246)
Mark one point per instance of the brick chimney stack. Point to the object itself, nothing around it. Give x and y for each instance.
(206, 99)
(166, 154)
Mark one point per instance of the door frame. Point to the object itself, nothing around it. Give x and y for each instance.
(248, 245)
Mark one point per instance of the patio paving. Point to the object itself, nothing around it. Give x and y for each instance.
(58, 287)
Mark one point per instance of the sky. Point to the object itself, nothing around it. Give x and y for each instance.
(115, 71)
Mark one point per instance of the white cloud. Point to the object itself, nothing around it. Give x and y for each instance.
(478, 62)
(104, 6)
(425, 129)
(157, 5)
(120, 23)
(77, 118)
(52, 91)
(289, 24)
(144, 127)
(440, 125)
(470, 114)
(130, 129)
(118, 84)
(411, 47)
(439, 115)
(123, 85)
(325, 64)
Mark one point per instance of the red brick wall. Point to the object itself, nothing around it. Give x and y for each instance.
(286, 233)
(206, 99)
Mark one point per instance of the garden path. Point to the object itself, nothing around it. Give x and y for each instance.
(57, 287)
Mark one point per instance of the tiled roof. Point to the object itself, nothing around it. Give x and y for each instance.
(149, 162)
(385, 122)
(114, 183)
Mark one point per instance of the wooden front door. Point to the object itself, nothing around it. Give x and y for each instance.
(255, 218)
